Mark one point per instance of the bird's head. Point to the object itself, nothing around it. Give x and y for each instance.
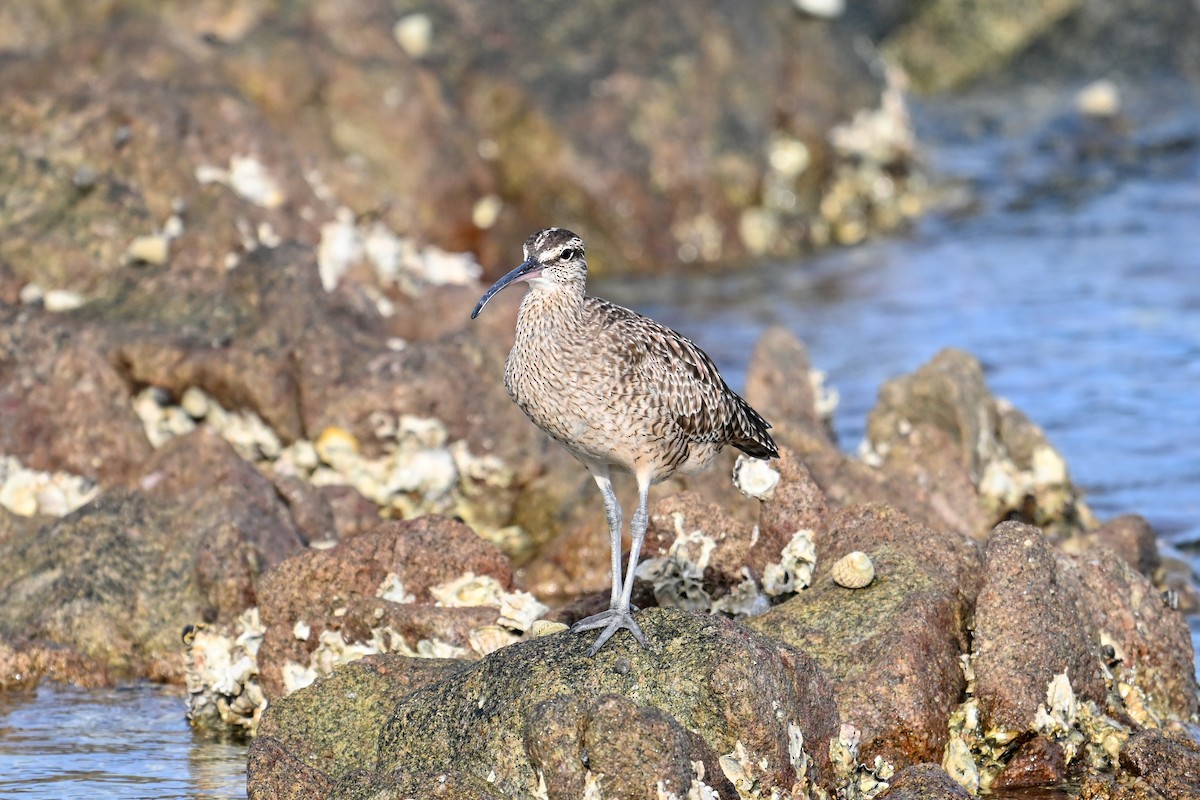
(554, 258)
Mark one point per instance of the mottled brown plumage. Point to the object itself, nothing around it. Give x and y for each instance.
(618, 390)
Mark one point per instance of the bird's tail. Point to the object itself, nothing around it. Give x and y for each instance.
(753, 438)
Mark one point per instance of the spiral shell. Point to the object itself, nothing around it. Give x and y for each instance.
(853, 570)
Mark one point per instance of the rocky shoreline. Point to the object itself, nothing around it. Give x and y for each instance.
(252, 445)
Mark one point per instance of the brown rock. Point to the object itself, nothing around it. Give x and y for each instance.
(780, 387)
(352, 513)
(1120, 605)
(796, 504)
(905, 631)
(1027, 630)
(1168, 762)
(924, 782)
(24, 664)
(1037, 762)
(639, 715)
(312, 515)
(634, 748)
(337, 589)
(1131, 537)
(366, 690)
(120, 578)
(73, 407)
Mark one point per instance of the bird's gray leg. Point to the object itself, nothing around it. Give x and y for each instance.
(612, 511)
(621, 615)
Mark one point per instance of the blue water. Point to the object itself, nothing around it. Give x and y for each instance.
(123, 744)
(1075, 279)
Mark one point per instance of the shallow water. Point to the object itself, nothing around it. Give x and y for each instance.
(111, 743)
(1076, 281)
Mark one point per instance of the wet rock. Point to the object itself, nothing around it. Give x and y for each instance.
(374, 581)
(707, 687)
(119, 579)
(1151, 646)
(1027, 630)
(905, 631)
(1107, 787)
(924, 782)
(24, 664)
(1038, 762)
(1168, 762)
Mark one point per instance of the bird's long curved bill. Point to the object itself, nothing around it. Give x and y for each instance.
(527, 269)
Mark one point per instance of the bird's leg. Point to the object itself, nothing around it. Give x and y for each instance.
(612, 511)
(620, 615)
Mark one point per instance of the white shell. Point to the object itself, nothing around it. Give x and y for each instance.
(755, 477)
(853, 570)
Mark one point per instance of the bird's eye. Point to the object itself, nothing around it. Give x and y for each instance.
(567, 255)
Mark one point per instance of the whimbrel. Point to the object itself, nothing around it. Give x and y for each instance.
(619, 391)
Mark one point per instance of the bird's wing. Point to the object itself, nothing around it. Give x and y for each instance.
(655, 360)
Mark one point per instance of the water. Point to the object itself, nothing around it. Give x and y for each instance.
(1075, 281)
(111, 743)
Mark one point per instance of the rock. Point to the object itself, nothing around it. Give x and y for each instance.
(55, 377)
(304, 730)
(119, 579)
(944, 45)
(1107, 787)
(1038, 762)
(312, 514)
(707, 688)
(352, 513)
(24, 664)
(351, 590)
(1170, 763)
(637, 749)
(923, 782)
(782, 385)
(905, 631)
(403, 137)
(985, 462)
(1124, 611)
(1131, 537)
(1027, 630)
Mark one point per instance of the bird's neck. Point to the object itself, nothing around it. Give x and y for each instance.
(551, 307)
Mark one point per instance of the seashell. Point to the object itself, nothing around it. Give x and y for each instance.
(545, 627)
(755, 477)
(853, 570)
(490, 638)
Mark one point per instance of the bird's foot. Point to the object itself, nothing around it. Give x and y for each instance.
(611, 621)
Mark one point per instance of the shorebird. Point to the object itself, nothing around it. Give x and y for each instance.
(619, 391)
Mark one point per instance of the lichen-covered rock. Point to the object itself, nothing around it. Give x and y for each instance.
(535, 713)
(375, 583)
(1027, 630)
(923, 782)
(905, 631)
